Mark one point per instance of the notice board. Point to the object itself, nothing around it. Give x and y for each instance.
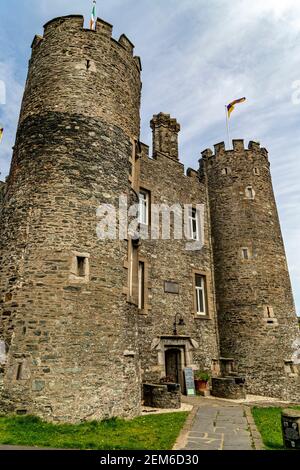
(189, 381)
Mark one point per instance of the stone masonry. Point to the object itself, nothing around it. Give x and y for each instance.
(82, 327)
(256, 313)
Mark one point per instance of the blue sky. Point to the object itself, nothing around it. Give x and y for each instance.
(196, 55)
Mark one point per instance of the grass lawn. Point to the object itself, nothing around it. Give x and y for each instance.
(268, 422)
(152, 432)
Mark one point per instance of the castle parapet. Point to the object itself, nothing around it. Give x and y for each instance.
(70, 59)
(126, 43)
(238, 146)
(75, 23)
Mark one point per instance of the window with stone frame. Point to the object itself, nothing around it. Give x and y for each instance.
(144, 207)
(141, 285)
(200, 295)
(19, 371)
(245, 253)
(269, 315)
(80, 267)
(133, 272)
(194, 225)
(250, 193)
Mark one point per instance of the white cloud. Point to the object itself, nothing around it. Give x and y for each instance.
(196, 56)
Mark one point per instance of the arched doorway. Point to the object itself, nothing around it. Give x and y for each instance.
(173, 363)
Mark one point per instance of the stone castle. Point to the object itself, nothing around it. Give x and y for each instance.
(86, 321)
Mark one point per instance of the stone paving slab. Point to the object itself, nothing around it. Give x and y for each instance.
(219, 427)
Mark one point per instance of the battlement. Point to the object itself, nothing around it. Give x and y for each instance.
(238, 145)
(75, 23)
(69, 59)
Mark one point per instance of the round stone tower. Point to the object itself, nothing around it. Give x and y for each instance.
(70, 335)
(256, 313)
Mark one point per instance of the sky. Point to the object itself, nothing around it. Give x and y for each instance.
(197, 56)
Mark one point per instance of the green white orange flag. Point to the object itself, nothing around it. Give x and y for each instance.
(93, 16)
(231, 106)
(1, 133)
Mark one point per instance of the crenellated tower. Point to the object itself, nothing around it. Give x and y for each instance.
(85, 320)
(70, 336)
(255, 308)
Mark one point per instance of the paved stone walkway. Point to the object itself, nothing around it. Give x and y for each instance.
(219, 427)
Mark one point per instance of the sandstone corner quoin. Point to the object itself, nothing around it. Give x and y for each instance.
(79, 340)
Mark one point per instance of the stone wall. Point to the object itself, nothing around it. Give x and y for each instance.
(169, 260)
(166, 396)
(231, 388)
(256, 313)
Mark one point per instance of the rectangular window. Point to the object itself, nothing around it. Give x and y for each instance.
(194, 224)
(19, 371)
(133, 273)
(144, 207)
(245, 253)
(141, 284)
(250, 194)
(130, 273)
(200, 286)
(269, 312)
(81, 266)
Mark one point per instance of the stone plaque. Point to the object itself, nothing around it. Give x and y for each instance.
(171, 287)
(189, 381)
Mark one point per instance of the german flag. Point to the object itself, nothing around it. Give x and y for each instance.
(231, 106)
(1, 133)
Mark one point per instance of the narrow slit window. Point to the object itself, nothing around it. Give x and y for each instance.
(250, 192)
(200, 293)
(131, 273)
(269, 312)
(245, 253)
(141, 284)
(256, 171)
(19, 371)
(81, 266)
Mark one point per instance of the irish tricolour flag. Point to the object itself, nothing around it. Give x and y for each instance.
(93, 17)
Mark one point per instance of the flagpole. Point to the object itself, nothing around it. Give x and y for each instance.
(227, 127)
(93, 20)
